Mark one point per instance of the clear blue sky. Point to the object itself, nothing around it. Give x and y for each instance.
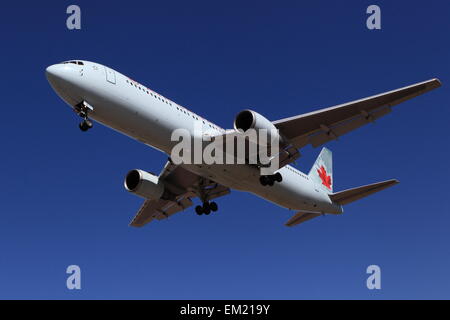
(62, 198)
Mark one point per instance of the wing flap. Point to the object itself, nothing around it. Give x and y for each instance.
(159, 209)
(147, 212)
(336, 131)
(176, 206)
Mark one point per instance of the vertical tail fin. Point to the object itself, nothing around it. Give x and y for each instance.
(321, 172)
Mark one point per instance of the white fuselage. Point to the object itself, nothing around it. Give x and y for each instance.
(132, 109)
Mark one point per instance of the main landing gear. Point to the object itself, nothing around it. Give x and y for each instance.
(82, 109)
(206, 208)
(271, 179)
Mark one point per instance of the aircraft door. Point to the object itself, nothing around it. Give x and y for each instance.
(110, 75)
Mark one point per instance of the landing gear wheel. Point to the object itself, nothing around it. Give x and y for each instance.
(82, 109)
(206, 208)
(278, 177)
(213, 206)
(85, 125)
(199, 210)
(264, 180)
(82, 127)
(270, 180)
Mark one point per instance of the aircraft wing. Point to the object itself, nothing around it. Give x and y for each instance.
(185, 185)
(158, 209)
(319, 127)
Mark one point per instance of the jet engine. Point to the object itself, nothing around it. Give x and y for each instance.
(144, 184)
(249, 119)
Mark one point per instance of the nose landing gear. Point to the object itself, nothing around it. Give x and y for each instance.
(82, 109)
(85, 125)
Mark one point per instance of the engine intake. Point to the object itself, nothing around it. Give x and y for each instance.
(249, 119)
(245, 120)
(144, 184)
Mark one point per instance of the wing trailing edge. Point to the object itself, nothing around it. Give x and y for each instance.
(318, 127)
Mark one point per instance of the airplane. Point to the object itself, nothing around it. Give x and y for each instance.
(97, 92)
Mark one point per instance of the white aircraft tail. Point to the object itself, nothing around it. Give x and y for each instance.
(321, 172)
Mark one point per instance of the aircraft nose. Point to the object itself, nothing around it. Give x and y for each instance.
(66, 80)
(63, 76)
(51, 69)
(54, 73)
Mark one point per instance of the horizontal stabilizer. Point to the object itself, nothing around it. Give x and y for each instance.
(348, 196)
(300, 217)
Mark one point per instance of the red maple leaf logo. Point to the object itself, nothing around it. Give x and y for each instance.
(326, 179)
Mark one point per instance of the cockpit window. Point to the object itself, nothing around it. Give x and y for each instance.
(74, 62)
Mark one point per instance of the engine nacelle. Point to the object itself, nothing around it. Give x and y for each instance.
(249, 119)
(144, 184)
